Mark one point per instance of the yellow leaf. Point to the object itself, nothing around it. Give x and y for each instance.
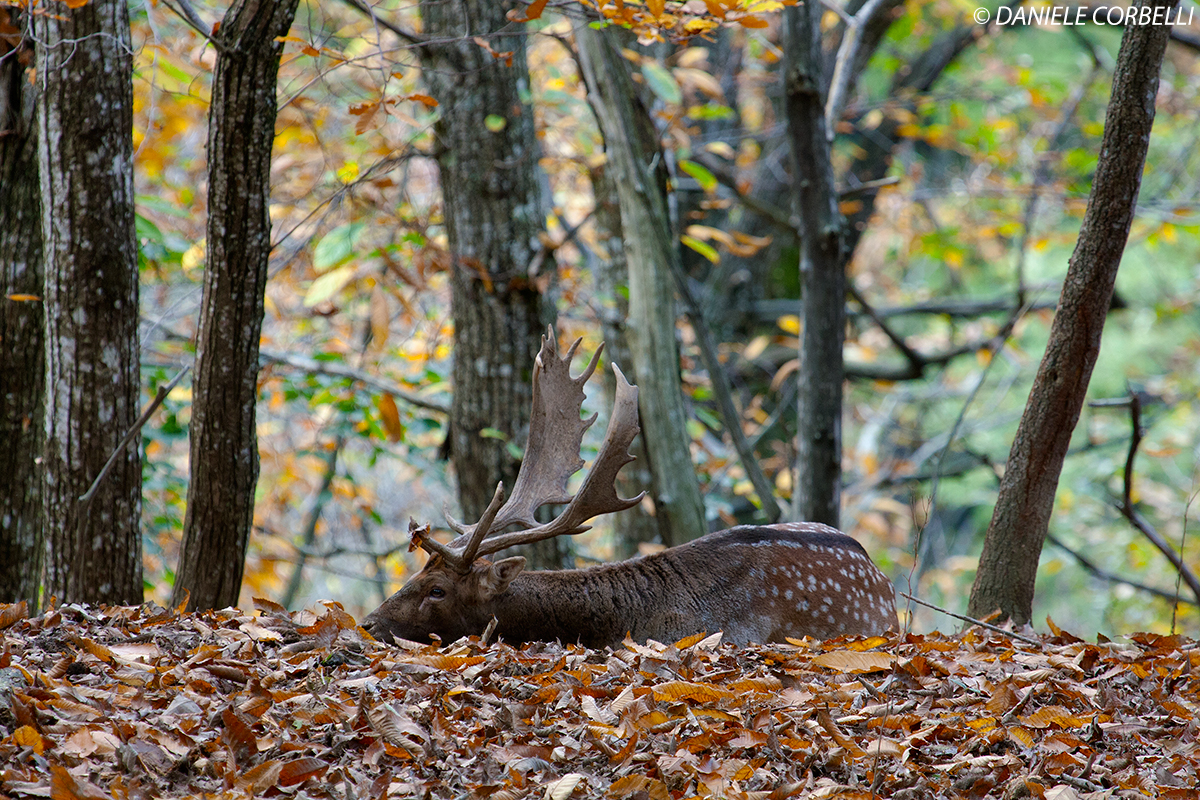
(789, 323)
(390, 416)
(655, 7)
(27, 736)
(24, 298)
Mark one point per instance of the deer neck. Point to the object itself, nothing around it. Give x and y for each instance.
(573, 606)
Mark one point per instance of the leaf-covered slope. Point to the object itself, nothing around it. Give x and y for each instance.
(143, 702)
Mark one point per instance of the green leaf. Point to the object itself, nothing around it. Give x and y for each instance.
(703, 248)
(327, 285)
(493, 433)
(337, 246)
(710, 111)
(495, 123)
(706, 179)
(662, 82)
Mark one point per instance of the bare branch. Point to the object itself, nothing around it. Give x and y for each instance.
(847, 58)
(159, 396)
(972, 620)
(1131, 514)
(407, 36)
(189, 15)
(339, 371)
(1112, 577)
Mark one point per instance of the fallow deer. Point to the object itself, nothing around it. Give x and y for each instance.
(755, 583)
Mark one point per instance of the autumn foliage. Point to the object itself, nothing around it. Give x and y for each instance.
(144, 702)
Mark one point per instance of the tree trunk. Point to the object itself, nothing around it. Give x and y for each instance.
(85, 161)
(633, 526)
(223, 438)
(1008, 565)
(822, 275)
(22, 356)
(650, 246)
(491, 200)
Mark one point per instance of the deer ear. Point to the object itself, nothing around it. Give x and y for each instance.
(499, 575)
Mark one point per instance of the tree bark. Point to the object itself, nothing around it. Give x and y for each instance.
(1008, 565)
(817, 494)
(491, 200)
(633, 526)
(85, 163)
(22, 354)
(223, 437)
(650, 246)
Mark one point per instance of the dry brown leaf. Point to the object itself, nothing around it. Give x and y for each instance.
(852, 661)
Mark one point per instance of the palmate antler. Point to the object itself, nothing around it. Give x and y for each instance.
(551, 458)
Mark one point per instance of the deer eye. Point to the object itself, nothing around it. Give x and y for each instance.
(437, 593)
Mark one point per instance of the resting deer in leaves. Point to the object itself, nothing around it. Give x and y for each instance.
(755, 583)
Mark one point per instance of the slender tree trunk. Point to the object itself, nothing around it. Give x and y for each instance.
(85, 162)
(817, 495)
(491, 200)
(224, 442)
(650, 246)
(633, 526)
(22, 355)
(1008, 565)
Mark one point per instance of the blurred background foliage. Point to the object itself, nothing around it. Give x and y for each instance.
(356, 340)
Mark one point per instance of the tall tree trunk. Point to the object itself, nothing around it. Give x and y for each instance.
(223, 438)
(650, 246)
(491, 200)
(633, 526)
(817, 494)
(85, 162)
(22, 356)
(1008, 565)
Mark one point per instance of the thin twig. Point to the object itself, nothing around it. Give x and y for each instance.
(160, 395)
(309, 532)
(724, 395)
(972, 620)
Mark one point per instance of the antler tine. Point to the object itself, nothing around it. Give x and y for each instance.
(598, 494)
(460, 553)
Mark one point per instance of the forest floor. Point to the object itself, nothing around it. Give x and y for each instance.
(145, 702)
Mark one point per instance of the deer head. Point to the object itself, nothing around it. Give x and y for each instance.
(457, 591)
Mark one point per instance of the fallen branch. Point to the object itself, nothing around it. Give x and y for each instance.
(972, 620)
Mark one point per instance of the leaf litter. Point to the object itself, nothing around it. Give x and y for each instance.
(133, 702)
